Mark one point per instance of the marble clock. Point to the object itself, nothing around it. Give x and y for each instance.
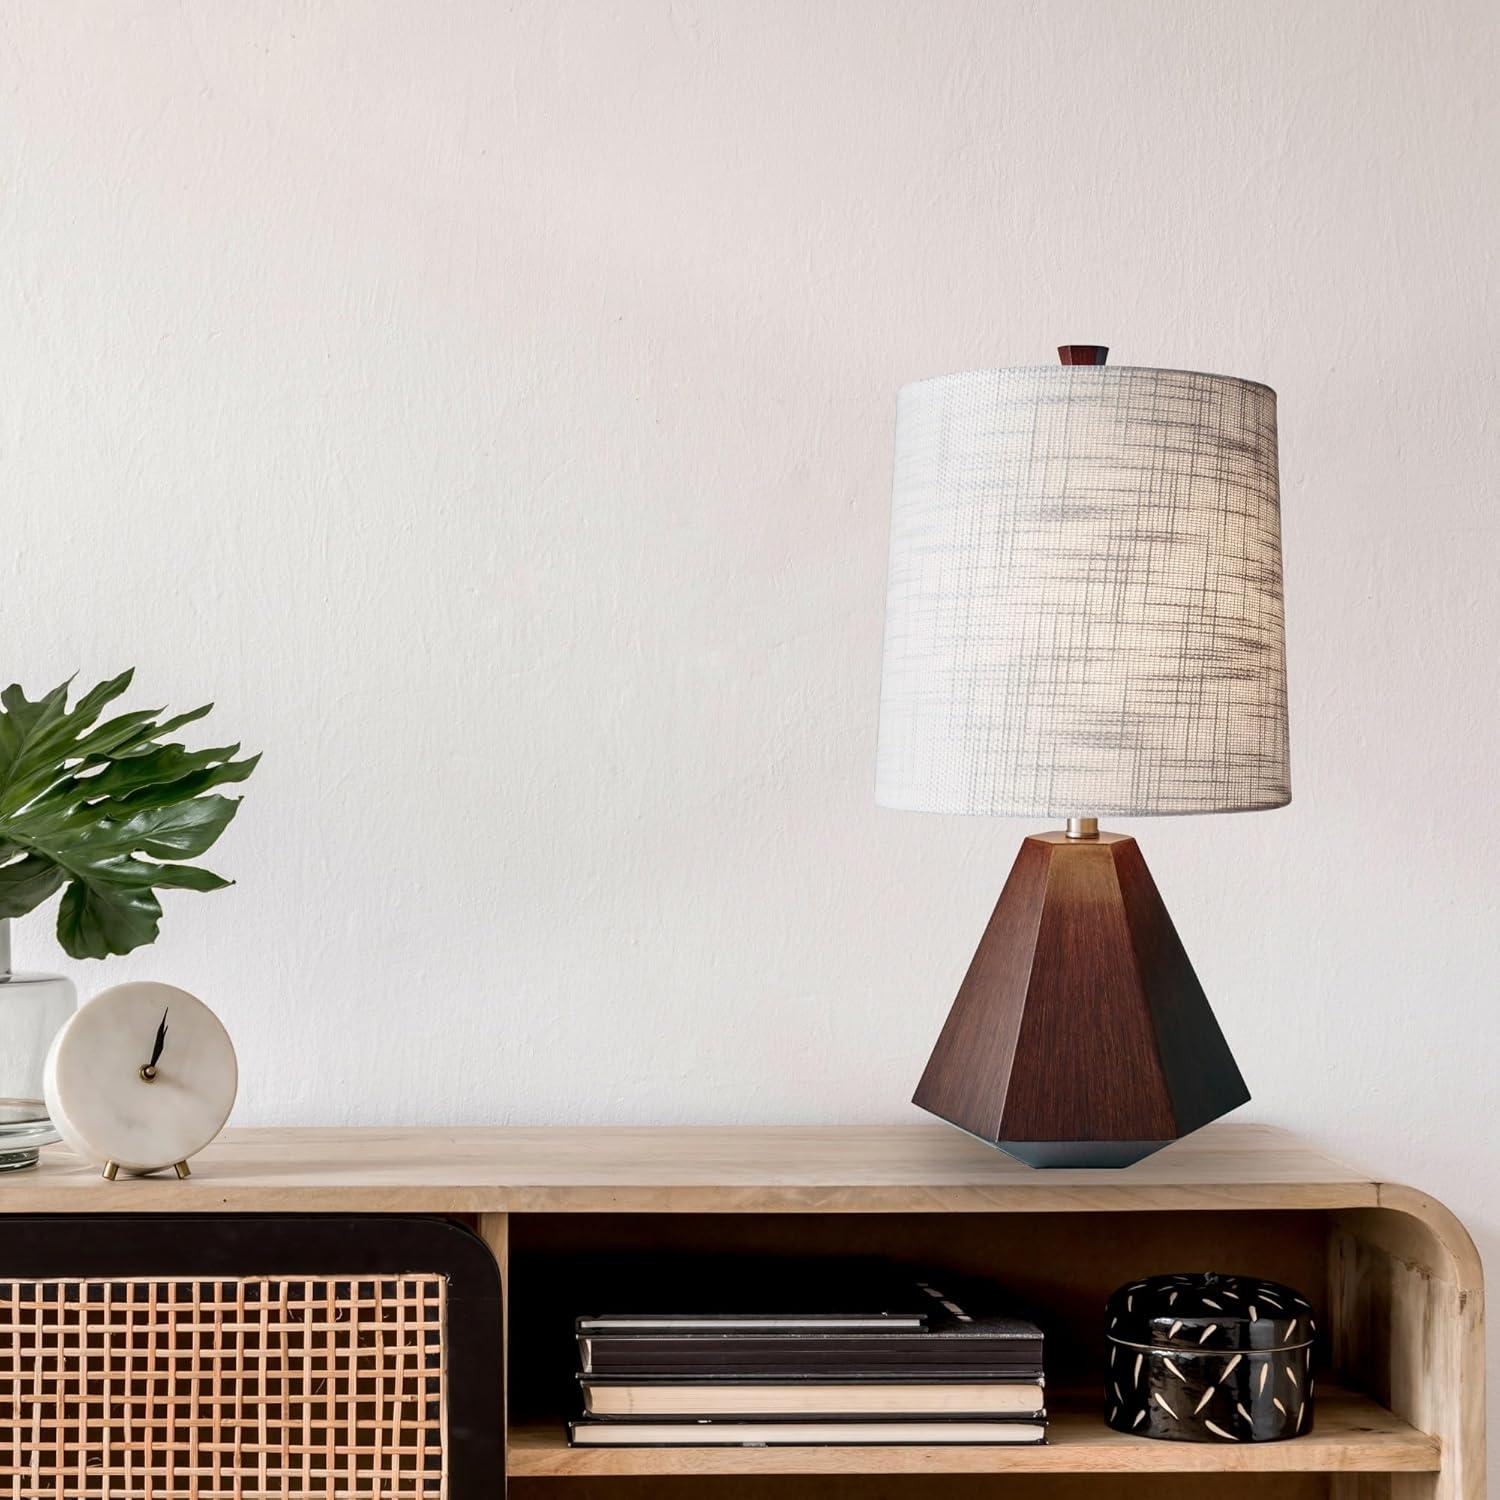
(141, 1077)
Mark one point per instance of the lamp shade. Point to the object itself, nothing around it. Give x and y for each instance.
(1084, 612)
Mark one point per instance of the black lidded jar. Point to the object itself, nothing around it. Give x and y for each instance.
(1204, 1358)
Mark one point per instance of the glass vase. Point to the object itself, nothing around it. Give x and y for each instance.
(33, 1008)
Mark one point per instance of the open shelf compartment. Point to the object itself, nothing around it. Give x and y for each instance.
(1060, 1266)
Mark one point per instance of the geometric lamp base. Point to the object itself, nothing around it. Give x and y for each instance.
(1080, 1153)
(1080, 1036)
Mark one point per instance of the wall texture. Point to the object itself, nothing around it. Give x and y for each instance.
(490, 406)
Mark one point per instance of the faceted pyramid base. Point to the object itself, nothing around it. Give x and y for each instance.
(1080, 1036)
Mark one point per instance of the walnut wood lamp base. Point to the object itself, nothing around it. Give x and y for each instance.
(1080, 1036)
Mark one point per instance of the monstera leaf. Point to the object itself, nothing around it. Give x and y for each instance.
(107, 810)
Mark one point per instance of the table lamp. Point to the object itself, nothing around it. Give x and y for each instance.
(1084, 618)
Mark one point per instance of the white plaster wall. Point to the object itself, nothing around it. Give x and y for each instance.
(490, 406)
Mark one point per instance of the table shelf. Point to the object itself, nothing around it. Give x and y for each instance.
(1353, 1434)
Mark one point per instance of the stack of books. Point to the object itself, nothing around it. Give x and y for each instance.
(924, 1364)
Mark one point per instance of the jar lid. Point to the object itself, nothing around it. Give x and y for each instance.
(1206, 1311)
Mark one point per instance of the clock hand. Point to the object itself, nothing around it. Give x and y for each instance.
(149, 1071)
(161, 1040)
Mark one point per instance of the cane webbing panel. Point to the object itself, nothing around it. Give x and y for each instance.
(225, 1389)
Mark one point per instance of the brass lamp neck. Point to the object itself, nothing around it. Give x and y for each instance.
(1083, 828)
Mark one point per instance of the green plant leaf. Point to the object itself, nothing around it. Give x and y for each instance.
(156, 765)
(188, 786)
(91, 705)
(187, 878)
(26, 883)
(183, 830)
(110, 810)
(93, 922)
(27, 732)
(33, 735)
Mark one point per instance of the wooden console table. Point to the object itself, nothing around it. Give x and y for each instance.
(1400, 1413)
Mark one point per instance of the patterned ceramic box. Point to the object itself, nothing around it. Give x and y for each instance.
(1210, 1359)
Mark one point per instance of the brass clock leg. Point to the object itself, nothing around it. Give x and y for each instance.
(110, 1168)
(182, 1169)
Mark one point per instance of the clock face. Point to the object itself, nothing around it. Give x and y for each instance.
(143, 1075)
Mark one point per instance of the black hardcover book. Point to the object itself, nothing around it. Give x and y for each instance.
(747, 1296)
(960, 1340)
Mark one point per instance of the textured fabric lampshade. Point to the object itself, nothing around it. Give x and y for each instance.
(1085, 604)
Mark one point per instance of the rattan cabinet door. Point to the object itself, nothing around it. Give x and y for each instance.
(234, 1357)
